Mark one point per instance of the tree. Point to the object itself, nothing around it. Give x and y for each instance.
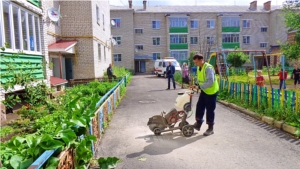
(292, 22)
(237, 59)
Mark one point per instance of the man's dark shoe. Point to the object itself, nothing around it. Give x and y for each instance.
(197, 126)
(167, 89)
(209, 131)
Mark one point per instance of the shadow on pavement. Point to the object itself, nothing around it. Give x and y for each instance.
(164, 143)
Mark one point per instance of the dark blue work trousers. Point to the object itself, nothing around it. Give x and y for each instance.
(171, 77)
(208, 103)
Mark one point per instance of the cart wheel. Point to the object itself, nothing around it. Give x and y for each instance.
(188, 130)
(185, 123)
(157, 131)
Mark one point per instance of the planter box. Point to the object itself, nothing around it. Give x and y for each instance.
(289, 129)
(278, 124)
(268, 120)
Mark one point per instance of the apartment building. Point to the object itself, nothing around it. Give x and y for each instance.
(175, 31)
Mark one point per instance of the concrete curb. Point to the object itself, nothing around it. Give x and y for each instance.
(269, 120)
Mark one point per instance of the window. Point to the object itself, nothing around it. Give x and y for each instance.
(194, 40)
(246, 39)
(155, 24)
(210, 24)
(263, 29)
(210, 40)
(138, 31)
(99, 52)
(118, 40)
(118, 23)
(21, 28)
(230, 21)
(104, 53)
(174, 39)
(103, 19)
(98, 15)
(194, 24)
(156, 56)
(178, 22)
(246, 23)
(156, 41)
(263, 44)
(117, 57)
(139, 47)
(179, 55)
(231, 38)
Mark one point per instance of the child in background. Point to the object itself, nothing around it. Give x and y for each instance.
(260, 81)
(296, 73)
(282, 78)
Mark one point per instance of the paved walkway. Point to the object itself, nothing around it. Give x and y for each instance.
(239, 142)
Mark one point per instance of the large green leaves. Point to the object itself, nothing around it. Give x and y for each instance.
(108, 163)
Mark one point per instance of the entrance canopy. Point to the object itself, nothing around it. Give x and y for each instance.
(143, 57)
(63, 46)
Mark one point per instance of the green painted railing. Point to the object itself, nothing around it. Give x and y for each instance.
(179, 30)
(230, 29)
(35, 2)
(179, 46)
(230, 45)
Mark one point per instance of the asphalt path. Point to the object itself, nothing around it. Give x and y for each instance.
(239, 142)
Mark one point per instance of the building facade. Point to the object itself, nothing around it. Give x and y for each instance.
(176, 31)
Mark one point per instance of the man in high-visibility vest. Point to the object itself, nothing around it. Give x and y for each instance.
(209, 87)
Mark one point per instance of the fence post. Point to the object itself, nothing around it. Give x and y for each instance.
(258, 96)
(250, 94)
(297, 102)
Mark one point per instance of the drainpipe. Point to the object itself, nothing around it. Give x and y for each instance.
(60, 65)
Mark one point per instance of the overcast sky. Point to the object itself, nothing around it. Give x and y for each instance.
(191, 2)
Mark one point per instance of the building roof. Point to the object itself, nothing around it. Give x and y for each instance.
(64, 46)
(193, 9)
(55, 81)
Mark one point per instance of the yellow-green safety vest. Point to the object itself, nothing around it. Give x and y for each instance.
(213, 89)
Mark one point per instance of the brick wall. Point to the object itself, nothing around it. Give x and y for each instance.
(126, 33)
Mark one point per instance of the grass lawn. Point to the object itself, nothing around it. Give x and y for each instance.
(250, 78)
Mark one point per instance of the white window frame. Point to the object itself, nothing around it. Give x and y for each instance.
(156, 21)
(238, 40)
(117, 56)
(20, 32)
(209, 25)
(196, 23)
(262, 27)
(157, 39)
(211, 38)
(136, 30)
(98, 14)
(178, 39)
(247, 21)
(99, 51)
(116, 21)
(193, 37)
(178, 22)
(139, 46)
(119, 42)
(246, 40)
(156, 55)
(228, 20)
(260, 44)
(103, 21)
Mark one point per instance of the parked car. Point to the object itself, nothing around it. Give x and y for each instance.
(160, 66)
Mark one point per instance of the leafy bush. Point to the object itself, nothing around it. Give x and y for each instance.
(237, 59)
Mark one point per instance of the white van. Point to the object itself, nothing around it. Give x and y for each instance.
(161, 65)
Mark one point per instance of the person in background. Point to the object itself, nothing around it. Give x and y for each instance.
(170, 74)
(260, 80)
(185, 75)
(282, 78)
(110, 73)
(296, 73)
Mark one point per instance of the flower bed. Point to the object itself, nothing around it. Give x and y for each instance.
(73, 121)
